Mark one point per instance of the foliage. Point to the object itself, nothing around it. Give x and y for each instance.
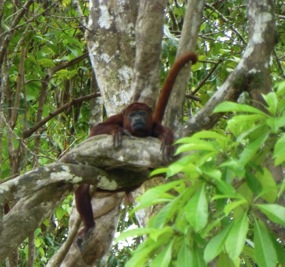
(220, 196)
(48, 41)
(48, 38)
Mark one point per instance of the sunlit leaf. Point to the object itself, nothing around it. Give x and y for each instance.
(264, 249)
(164, 257)
(197, 210)
(268, 184)
(274, 212)
(250, 150)
(198, 260)
(272, 101)
(185, 256)
(236, 237)
(234, 204)
(235, 107)
(216, 245)
(279, 151)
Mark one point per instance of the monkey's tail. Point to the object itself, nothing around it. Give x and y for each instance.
(168, 84)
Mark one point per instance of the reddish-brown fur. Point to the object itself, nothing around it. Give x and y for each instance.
(123, 123)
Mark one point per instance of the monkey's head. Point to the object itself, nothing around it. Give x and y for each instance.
(138, 119)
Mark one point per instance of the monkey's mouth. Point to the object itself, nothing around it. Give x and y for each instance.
(138, 125)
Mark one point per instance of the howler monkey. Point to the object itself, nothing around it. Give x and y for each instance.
(136, 120)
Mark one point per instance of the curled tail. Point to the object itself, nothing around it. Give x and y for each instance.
(168, 84)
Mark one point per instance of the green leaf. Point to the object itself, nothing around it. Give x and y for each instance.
(234, 204)
(185, 256)
(251, 149)
(216, 245)
(279, 151)
(197, 210)
(263, 247)
(200, 145)
(274, 212)
(236, 238)
(143, 252)
(158, 171)
(225, 188)
(156, 195)
(275, 123)
(281, 89)
(46, 62)
(244, 124)
(268, 184)
(235, 107)
(225, 261)
(198, 260)
(134, 233)
(272, 102)
(164, 257)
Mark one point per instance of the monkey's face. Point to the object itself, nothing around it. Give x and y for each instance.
(139, 122)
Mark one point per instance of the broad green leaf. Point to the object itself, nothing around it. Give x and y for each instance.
(234, 204)
(198, 260)
(46, 62)
(197, 210)
(272, 102)
(199, 145)
(170, 210)
(236, 237)
(279, 151)
(269, 187)
(275, 123)
(143, 252)
(225, 261)
(211, 135)
(216, 245)
(134, 233)
(158, 171)
(239, 123)
(265, 253)
(235, 107)
(281, 89)
(225, 188)
(164, 257)
(164, 215)
(251, 149)
(157, 194)
(185, 256)
(274, 212)
(174, 168)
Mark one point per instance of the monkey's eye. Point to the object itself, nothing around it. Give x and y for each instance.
(138, 113)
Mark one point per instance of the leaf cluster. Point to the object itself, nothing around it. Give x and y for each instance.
(221, 199)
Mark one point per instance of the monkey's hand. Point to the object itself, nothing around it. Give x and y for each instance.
(117, 134)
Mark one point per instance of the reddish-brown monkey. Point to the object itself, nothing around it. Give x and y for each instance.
(136, 120)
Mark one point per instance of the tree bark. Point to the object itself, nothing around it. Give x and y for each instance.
(110, 41)
(149, 33)
(189, 35)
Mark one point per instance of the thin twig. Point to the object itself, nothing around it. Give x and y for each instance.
(27, 133)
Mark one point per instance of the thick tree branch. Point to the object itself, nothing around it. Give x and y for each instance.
(94, 161)
(149, 33)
